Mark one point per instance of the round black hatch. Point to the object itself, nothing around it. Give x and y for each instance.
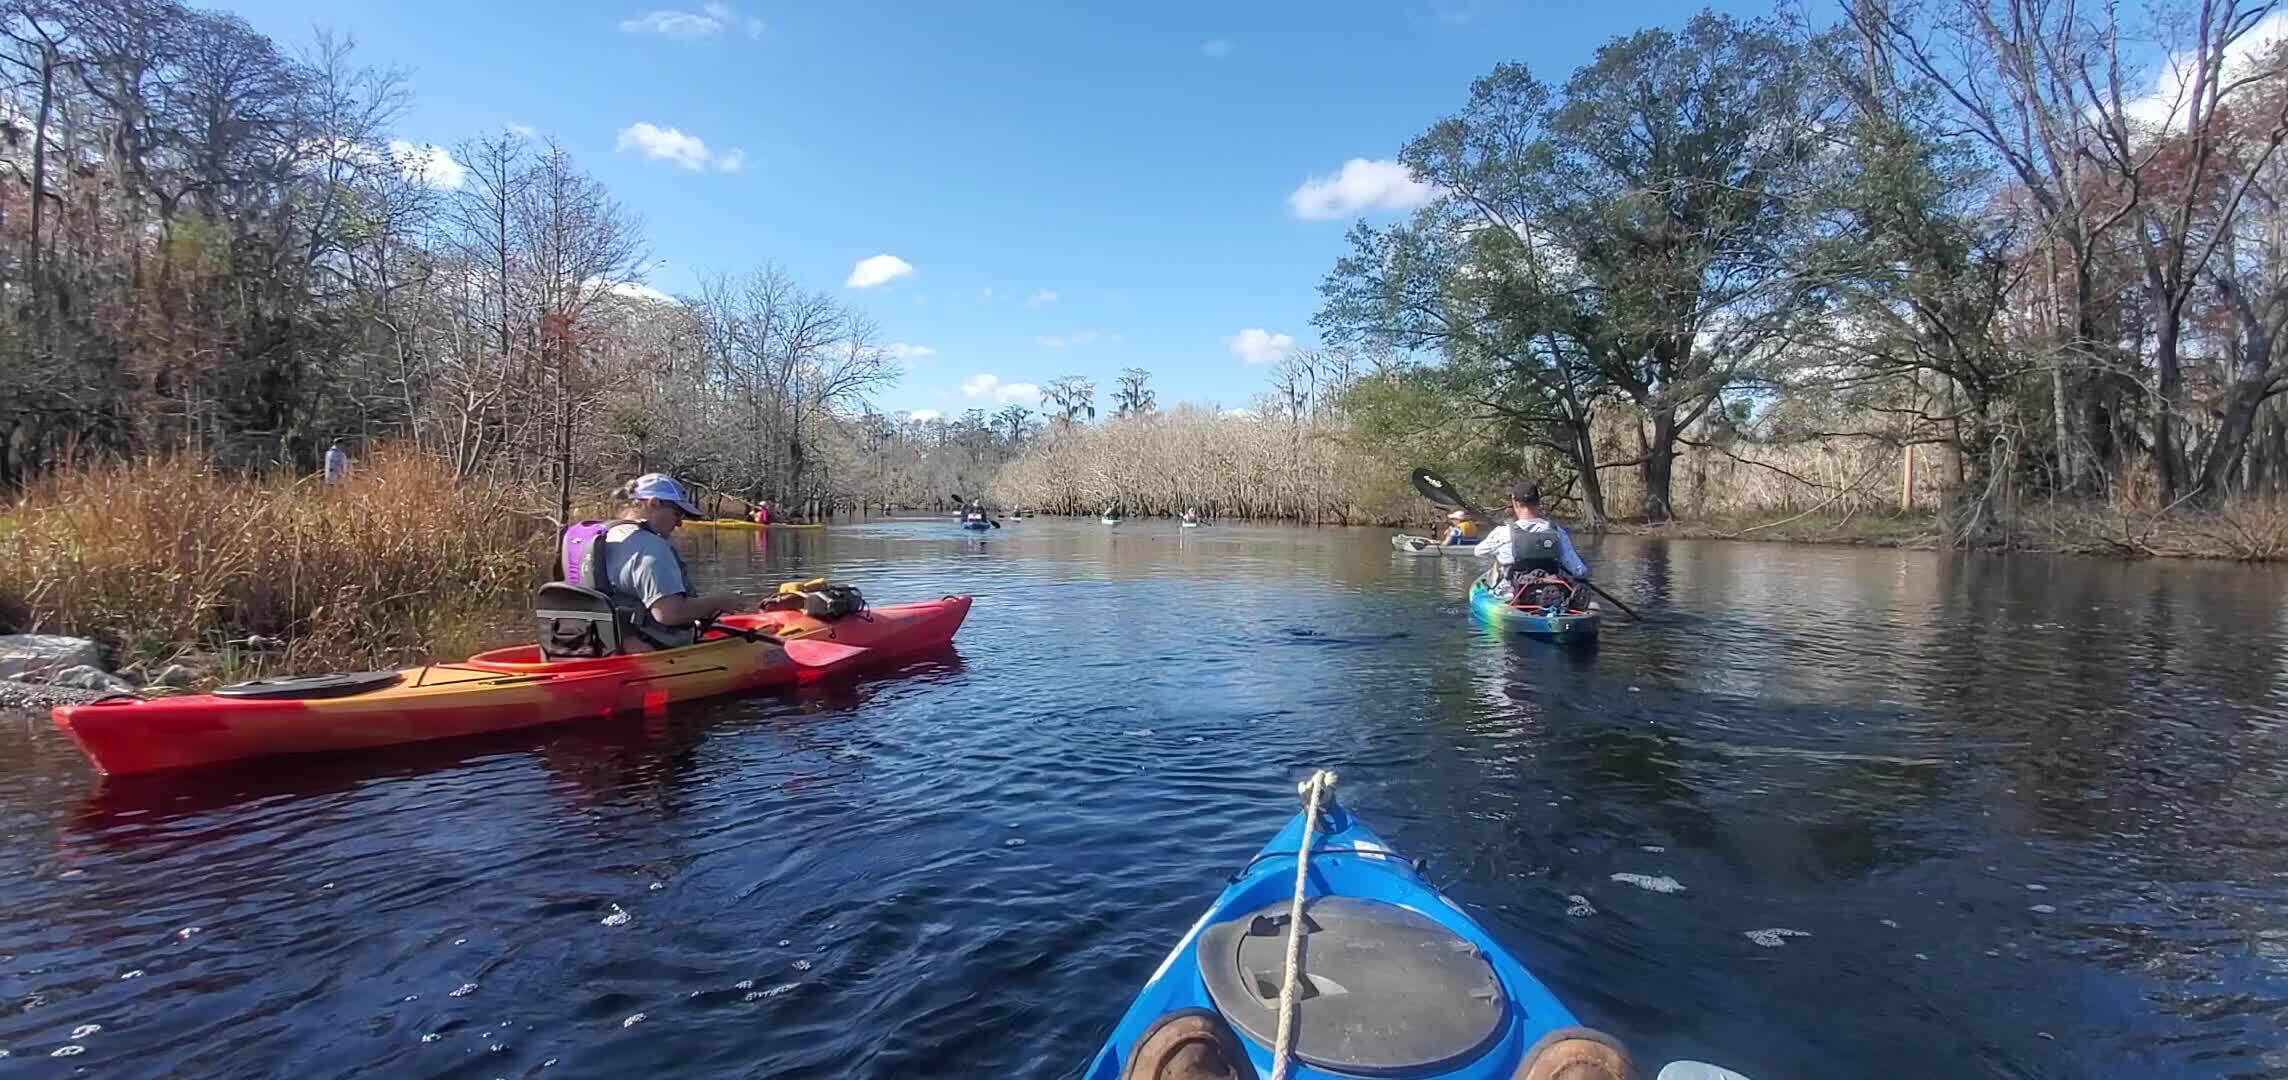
(1386, 991)
(343, 684)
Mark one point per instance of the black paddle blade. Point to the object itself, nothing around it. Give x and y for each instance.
(1435, 488)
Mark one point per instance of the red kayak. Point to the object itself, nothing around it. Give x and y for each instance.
(498, 690)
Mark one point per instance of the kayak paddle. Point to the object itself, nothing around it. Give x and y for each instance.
(805, 652)
(989, 520)
(1436, 488)
(811, 652)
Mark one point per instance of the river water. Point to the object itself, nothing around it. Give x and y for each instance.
(1927, 815)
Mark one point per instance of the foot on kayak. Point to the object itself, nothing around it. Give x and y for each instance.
(1188, 1044)
(1576, 1053)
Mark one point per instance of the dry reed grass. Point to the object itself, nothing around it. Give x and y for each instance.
(160, 558)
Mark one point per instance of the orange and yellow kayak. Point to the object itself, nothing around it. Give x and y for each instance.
(492, 691)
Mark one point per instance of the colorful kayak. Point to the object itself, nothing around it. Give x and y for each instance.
(1396, 980)
(498, 690)
(978, 526)
(1571, 626)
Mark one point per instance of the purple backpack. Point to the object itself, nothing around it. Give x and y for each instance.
(583, 549)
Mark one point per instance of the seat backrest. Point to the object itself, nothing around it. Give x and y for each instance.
(576, 622)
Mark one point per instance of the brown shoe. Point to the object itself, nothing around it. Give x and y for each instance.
(1188, 1044)
(1576, 1053)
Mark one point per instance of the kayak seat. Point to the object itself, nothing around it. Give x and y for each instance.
(1393, 992)
(577, 623)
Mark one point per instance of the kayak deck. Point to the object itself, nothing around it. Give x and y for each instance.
(1573, 626)
(499, 690)
(1407, 544)
(1401, 983)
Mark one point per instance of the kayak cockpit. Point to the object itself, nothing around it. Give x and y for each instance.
(1390, 992)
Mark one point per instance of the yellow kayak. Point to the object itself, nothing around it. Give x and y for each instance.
(736, 523)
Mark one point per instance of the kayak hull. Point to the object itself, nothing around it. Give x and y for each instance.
(976, 526)
(1349, 863)
(1428, 548)
(736, 523)
(1573, 627)
(500, 690)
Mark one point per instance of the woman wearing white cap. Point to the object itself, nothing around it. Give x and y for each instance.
(642, 567)
(1461, 530)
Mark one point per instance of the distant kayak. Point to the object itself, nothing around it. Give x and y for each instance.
(738, 523)
(979, 525)
(1191, 524)
(1395, 980)
(1110, 520)
(1572, 626)
(1423, 545)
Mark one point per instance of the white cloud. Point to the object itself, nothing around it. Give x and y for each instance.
(711, 19)
(978, 386)
(1256, 345)
(901, 351)
(522, 131)
(429, 164)
(925, 415)
(1041, 298)
(672, 24)
(1071, 341)
(683, 151)
(1362, 185)
(1216, 48)
(2171, 105)
(877, 270)
(637, 290)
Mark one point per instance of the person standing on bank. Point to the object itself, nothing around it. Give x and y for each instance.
(337, 464)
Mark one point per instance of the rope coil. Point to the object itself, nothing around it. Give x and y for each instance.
(1314, 792)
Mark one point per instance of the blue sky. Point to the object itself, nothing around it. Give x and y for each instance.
(1074, 188)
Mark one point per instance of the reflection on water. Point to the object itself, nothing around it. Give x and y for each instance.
(1820, 812)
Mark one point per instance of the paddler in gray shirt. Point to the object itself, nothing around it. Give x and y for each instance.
(643, 568)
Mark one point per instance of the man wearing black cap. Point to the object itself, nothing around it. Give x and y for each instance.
(1532, 542)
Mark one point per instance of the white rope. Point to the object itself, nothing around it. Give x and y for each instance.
(1313, 790)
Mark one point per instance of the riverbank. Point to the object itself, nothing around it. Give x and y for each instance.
(2239, 534)
(164, 562)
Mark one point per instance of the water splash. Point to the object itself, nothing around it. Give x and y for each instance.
(1661, 884)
